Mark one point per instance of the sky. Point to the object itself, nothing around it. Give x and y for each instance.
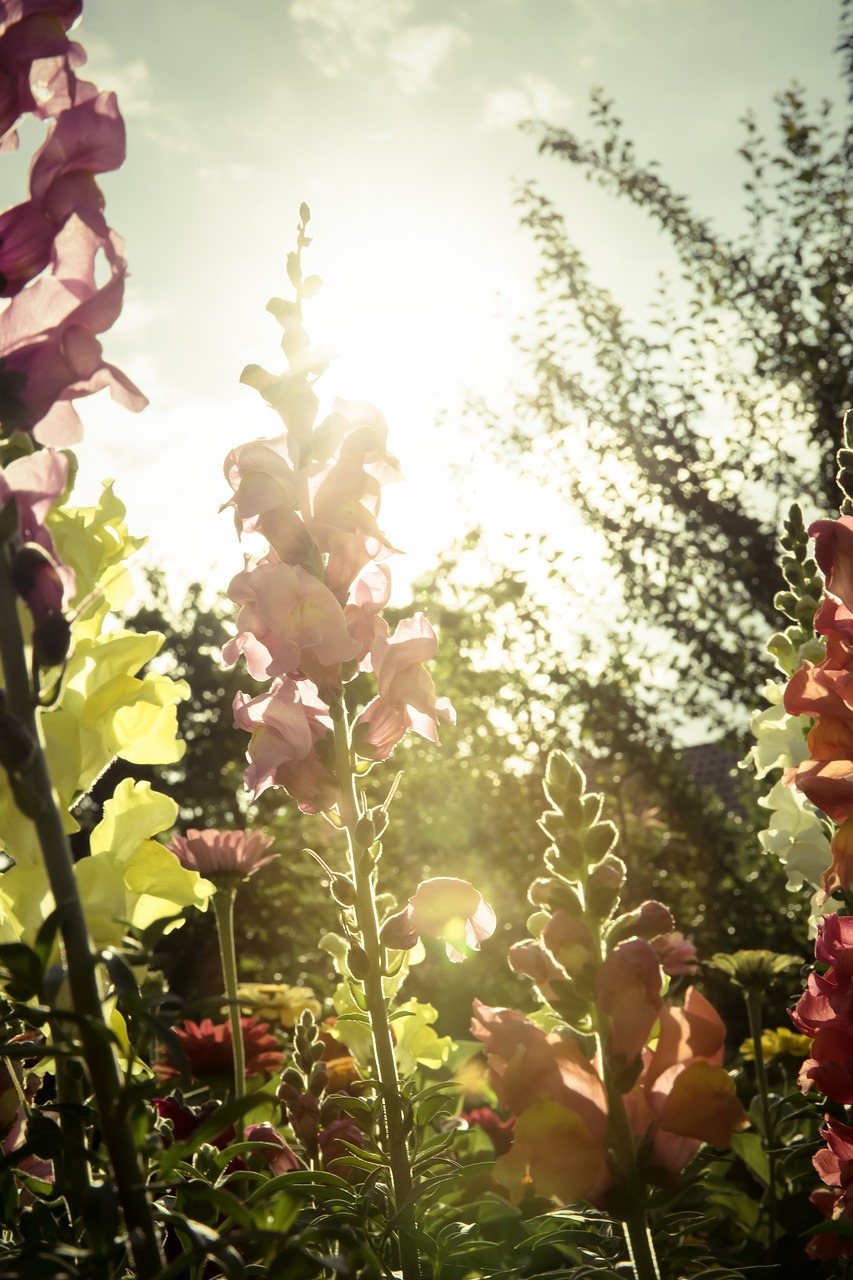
(396, 121)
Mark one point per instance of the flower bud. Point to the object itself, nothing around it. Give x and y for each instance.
(648, 921)
(365, 833)
(397, 932)
(604, 885)
(52, 640)
(343, 891)
(318, 1078)
(37, 581)
(358, 962)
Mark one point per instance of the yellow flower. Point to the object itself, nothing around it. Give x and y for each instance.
(781, 1043)
(276, 1002)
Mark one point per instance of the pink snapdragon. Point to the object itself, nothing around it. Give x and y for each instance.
(88, 138)
(50, 355)
(628, 990)
(36, 62)
(406, 694)
(290, 622)
(286, 723)
(445, 908)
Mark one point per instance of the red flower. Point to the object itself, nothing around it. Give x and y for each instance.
(283, 1159)
(500, 1131)
(208, 1049)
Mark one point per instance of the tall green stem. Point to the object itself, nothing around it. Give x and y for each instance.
(623, 1144)
(377, 1011)
(635, 1221)
(223, 905)
(82, 974)
(752, 995)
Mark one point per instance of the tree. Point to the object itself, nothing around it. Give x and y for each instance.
(762, 332)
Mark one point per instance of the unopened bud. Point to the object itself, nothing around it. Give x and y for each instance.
(318, 1078)
(365, 833)
(397, 932)
(604, 885)
(37, 581)
(343, 891)
(358, 962)
(52, 640)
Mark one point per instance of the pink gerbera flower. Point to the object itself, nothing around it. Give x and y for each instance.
(222, 854)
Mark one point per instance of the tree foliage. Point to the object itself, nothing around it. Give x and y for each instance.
(683, 441)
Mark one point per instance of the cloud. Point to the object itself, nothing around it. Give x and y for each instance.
(417, 52)
(531, 97)
(335, 34)
(130, 80)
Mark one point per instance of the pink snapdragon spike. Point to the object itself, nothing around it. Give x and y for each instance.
(683, 1097)
(406, 694)
(445, 908)
(310, 607)
(216, 854)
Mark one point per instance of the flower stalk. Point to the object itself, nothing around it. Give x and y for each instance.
(752, 996)
(80, 960)
(361, 866)
(223, 906)
(635, 1220)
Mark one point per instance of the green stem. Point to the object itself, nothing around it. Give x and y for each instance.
(223, 905)
(75, 1164)
(377, 1010)
(752, 996)
(623, 1144)
(80, 960)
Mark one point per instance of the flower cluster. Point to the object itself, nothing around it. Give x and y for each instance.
(681, 1098)
(51, 248)
(657, 1069)
(49, 349)
(825, 1012)
(310, 606)
(824, 691)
